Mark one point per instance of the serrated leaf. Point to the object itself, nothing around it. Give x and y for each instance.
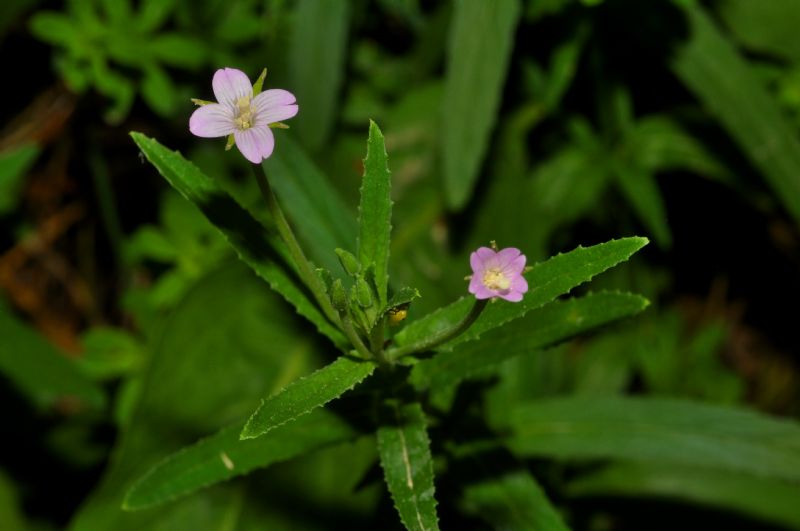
(546, 281)
(38, 369)
(247, 236)
(657, 430)
(767, 499)
(223, 456)
(543, 327)
(323, 221)
(407, 465)
(710, 67)
(403, 296)
(307, 394)
(316, 65)
(375, 211)
(513, 501)
(480, 46)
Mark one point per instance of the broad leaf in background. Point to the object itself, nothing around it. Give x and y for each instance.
(769, 27)
(540, 328)
(481, 41)
(315, 208)
(38, 369)
(375, 211)
(227, 341)
(710, 66)
(547, 280)
(657, 430)
(768, 499)
(307, 394)
(14, 164)
(512, 502)
(223, 456)
(407, 464)
(317, 60)
(246, 235)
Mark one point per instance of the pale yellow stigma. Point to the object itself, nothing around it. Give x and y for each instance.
(245, 118)
(494, 279)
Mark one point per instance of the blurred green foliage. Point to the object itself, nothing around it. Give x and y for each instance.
(541, 124)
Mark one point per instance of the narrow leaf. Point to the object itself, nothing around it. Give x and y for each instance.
(375, 211)
(223, 456)
(317, 60)
(641, 190)
(767, 499)
(658, 430)
(547, 280)
(513, 501)
(307, 394)
(38, 369)
(543, 327)
(710, 66)
(407, 464)
(246, 235)
(481, 42)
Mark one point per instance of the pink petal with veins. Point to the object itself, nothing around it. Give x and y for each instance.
(230, 84)
(211, 121)
(256, 143)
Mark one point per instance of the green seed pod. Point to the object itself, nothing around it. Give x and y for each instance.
(348, 261)
(363, 293)
(326, 277)
(338, 295)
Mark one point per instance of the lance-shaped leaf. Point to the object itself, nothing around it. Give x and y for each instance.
(407, 464)
(307, 394)
(546, 280)
(767, 499)
(223, 456)
(710, 66)
(543, 327)
(375, 211)
(512, 501)
(255, 247)
(481, 42)
(657, 430)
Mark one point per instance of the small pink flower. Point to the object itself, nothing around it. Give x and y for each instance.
(243, 115)
(498, 274)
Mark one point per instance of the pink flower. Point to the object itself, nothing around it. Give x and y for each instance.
(498, 274)
(243, 115)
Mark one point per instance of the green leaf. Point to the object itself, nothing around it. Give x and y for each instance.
(321, 218)
(710, 66)
(513, 501)
(407, 465)
(14, 165)
(546, 281)
(316, 62)
(245, 234)
(768, 499)
(223, 456)
(769, 27)
(158, 91)
(375, 211)
(38, 369)
(54, 28)
(176, 49)
(403, 297)
(657, 430)
(307, 394)
(230, 338)
(642, 192)
(543, 327)
(481, 42)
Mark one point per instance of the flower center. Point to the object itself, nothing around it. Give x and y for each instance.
(244, 118)
(494, 279)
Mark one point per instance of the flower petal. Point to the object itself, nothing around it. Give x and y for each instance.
(507, 255)
(475, 283)
(519, 284)
(256, 143)
(274, 105)
(515, 267)
(211, 121)
(477, 265)
(230, 84)
(482, 292)
(511, 296)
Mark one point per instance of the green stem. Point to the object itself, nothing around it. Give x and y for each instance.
(355, 339)
(376, 341)
(304, 267)
(441, 337)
